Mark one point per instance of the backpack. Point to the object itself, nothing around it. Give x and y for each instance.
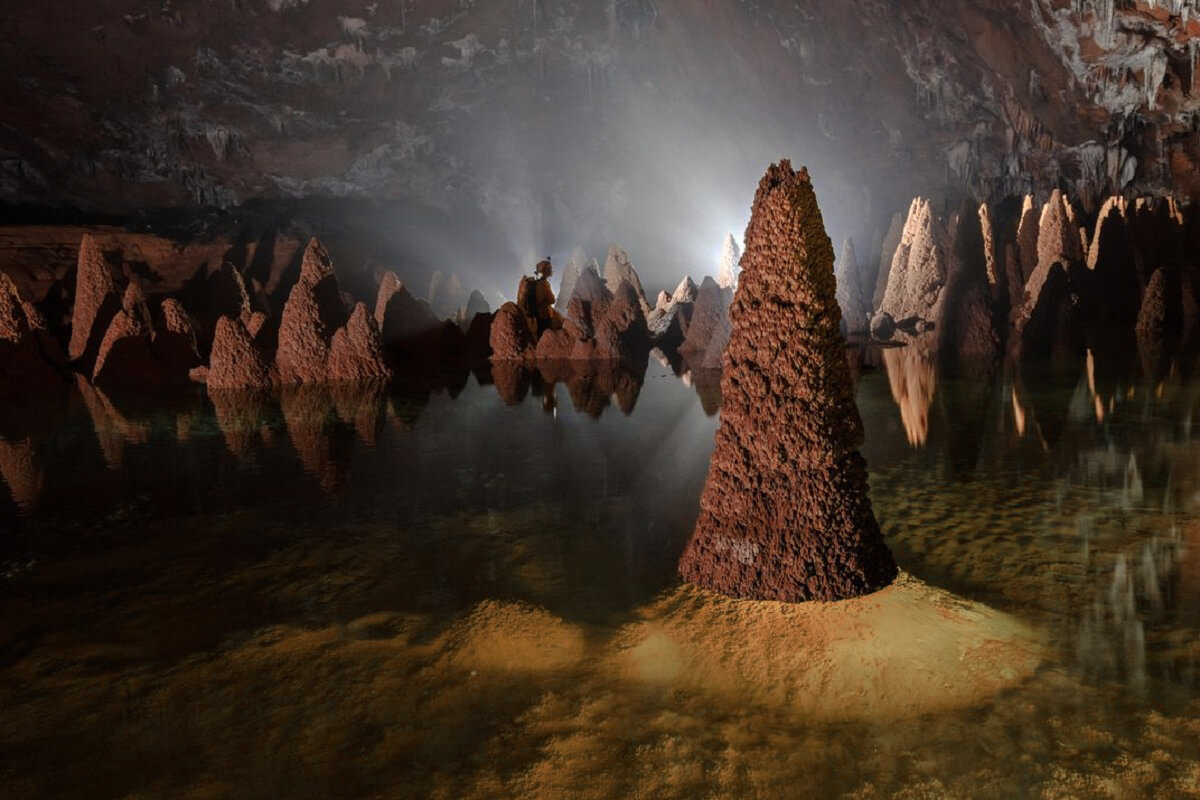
(527, 296)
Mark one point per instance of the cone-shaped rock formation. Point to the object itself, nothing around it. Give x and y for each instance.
(785, 513)
(126, 356)
(96, 303)
(849, 291)
(236, 362)
(356, 353)
(618, 268)
(728, 268)
(313, 311)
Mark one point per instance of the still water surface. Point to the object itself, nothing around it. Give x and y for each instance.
(409, 593)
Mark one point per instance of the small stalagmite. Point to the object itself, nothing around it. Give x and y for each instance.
(356, 354)
(26, 366)
(618, 268)
(236, 362)
(785, 514)
(175, 340)
(510, 337)
(126, 357)
(919, 267)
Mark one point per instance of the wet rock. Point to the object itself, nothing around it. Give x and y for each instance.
(356, 353)
(710, 308)
(617, 269)
(883, 327)
(510, 337)
(96, 303)
(785, 513)
(311, 315)
(727, 269)
(855, 313)
(236, 362)
(126, 357)
(174, 342)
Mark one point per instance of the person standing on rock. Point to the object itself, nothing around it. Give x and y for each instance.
(536, 299)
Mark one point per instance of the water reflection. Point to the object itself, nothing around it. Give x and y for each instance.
(421, 577)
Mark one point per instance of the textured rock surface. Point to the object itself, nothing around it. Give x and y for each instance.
(313, 312)
(785, 513)
(1161, 314)
(919, 267)
(236, 362)
(510, 337)
(126, 356)
(1111, 257)
(356, 353)
(174, 342)
(25, 369)
(727, 268)
(567, 287)
(589, 301)
(96, 303)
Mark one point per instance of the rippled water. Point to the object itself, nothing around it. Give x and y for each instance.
(408, 593)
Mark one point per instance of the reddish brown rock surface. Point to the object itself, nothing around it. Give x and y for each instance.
(510, 337)
(618, 269)
(126, 358)
(313, 312)
(27, 355)
(175, 341)
(356, 353)
(96, 303)
(785, 513)
(236, 362)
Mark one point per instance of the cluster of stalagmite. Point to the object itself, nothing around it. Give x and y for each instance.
(218, 332)
(1033, 279)
(610, 319)
(785, 514)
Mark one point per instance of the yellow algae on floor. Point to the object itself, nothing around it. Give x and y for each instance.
(906, 650)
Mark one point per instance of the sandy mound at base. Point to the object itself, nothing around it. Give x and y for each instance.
(508, 636)
(906, 650)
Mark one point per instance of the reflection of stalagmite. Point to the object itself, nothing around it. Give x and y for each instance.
(241, 415)
(511, 380)
(362, 406)
(785, 514)
(113, 429)
(913, 378)
(312, 428)
(21, 469)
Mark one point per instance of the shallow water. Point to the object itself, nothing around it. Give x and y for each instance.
(406, 593)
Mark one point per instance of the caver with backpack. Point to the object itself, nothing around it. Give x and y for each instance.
(535, 298)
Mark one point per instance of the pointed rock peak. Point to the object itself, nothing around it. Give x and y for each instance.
(389, 285)
(133, 303)
(13, 324)
(315, 266)
(477, 304)
(356, 353)
(95, 301)
(236, 362)
(686, 291)
(662, 301)
(590, 287)
(785, 513)
(619, 268)
(727, 269)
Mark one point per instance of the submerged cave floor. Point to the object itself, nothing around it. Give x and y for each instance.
(479, 603)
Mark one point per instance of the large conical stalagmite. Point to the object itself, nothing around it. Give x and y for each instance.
(785, 513)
